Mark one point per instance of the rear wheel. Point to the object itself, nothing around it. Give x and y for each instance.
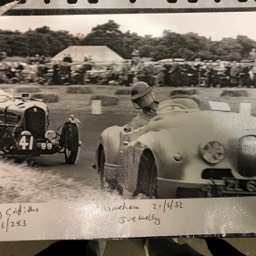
(70, 141)
(147, 177)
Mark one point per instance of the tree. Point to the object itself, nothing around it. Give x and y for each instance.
(226, 49)
(130, 41)
(196, 46)
(173, 43)
(43, 30)
(105, 34)
(247, 45)
(45, 41)
(41, 41)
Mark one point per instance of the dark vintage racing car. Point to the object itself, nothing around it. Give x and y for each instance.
(24, 123)
(183, 152)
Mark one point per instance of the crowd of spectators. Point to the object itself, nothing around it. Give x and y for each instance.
(41, 70)
(200, 73)
(168, 72)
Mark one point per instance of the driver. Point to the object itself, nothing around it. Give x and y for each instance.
(143, 98)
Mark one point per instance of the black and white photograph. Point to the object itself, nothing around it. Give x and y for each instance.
(131, 109)
(163, 107)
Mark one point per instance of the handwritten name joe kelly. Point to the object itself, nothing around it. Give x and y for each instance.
(152, 216)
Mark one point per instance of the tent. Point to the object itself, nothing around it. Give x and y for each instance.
(97, 54)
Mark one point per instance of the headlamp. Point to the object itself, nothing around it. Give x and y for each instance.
(50, 135)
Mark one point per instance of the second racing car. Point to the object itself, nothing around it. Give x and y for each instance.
(24, 129)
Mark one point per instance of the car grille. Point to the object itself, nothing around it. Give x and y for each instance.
(12, 118)
(247, 156)
(216, 173)
(35, 121)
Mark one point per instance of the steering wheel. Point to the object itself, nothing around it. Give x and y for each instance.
(178, 105)
(170, 107)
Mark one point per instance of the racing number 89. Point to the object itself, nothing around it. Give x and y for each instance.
(26, 142)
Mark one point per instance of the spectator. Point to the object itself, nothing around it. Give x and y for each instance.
(234, 74)
(244, 77)
(253, 75)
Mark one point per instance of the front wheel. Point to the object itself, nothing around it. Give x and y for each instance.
(70, 142)
(147, 177)
(101, 169)
(111, 185)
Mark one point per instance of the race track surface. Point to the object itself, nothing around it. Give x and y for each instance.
(91, 127)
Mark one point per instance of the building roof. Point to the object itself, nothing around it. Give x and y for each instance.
(98, 54)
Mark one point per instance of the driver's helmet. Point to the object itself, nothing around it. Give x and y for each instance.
(141, 95)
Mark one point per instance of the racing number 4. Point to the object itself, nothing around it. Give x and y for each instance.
(26, 142)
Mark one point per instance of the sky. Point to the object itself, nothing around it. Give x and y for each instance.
(214, 25)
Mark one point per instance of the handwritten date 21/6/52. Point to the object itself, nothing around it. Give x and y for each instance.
(168, 205)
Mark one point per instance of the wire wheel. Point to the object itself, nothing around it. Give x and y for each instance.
(70, 141)
(152, 184)
(147, 177)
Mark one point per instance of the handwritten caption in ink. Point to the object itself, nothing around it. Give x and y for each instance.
(157, 207)
(16, 217)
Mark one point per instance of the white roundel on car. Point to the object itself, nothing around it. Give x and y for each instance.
(212, 152)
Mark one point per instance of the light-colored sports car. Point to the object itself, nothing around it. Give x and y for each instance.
(182, 152)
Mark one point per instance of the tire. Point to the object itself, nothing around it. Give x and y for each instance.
(70, 141)
(152, 185)
(147, 177)
(110, 185)
(102, 160)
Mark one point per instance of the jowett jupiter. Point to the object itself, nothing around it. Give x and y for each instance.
(182, 152)
(24, 130)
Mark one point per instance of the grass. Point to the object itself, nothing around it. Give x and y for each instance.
(79, 90)
(28, 89)
(236, 93)
(46, 97)
(176, 92)
(69, 101)
(106, 100)
(123, 91)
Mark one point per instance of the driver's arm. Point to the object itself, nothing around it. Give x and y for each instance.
(138, 121)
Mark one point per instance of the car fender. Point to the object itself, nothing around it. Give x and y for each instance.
(110, 141)
(164, 147)
(72, 119)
